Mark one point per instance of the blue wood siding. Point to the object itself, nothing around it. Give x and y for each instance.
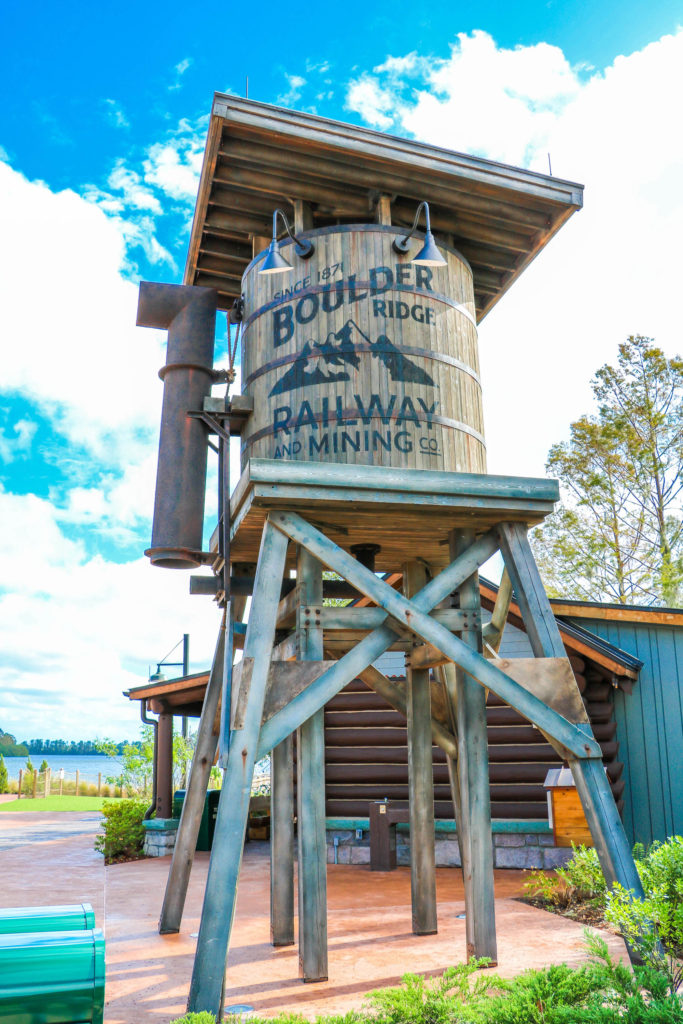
(649, 727)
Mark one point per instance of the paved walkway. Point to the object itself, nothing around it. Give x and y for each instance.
(49, 858)
(370, 940)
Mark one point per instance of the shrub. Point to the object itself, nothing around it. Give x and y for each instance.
(580, 881)
(654, 925)
(195, 1018)
(124, 833)
(430, 1001)
(4, 782)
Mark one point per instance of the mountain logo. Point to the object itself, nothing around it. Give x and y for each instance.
(346, 352)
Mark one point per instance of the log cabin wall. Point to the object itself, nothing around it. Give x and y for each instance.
(366, 756)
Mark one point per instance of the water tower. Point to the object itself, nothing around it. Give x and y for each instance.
(356, 267)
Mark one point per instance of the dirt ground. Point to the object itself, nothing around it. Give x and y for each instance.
(369, 923)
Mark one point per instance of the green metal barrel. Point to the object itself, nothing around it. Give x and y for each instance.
(52, 977)
(68, 918)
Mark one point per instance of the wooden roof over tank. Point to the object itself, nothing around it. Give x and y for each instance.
(259, 156)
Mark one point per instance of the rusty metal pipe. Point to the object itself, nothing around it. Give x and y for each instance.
(189, 315)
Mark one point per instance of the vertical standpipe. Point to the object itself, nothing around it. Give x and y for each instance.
(189, 315)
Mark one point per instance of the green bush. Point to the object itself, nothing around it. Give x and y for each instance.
(654, 925)
(580, 881)
(195, 1018)
(4, 782)
(124, 834)
(430, 1001)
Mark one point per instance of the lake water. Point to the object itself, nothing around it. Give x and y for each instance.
(87, 766)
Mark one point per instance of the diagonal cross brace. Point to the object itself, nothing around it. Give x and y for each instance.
(370, 647)
(413, 614)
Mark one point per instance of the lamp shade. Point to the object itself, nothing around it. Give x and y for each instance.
(429, 255)
(274, 262)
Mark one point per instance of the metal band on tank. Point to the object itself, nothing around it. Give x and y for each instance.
(353, 414)
(425, 353)
(325, 289)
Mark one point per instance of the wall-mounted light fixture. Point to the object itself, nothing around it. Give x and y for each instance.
(274, 262)
(429, 255)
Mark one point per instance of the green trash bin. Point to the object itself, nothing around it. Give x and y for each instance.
(68, 918)
(52, 977)
(208, 823)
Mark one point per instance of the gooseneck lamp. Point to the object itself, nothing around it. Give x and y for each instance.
(274, 262)
(429, 255)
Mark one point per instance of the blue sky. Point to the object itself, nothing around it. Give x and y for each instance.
(101, 137)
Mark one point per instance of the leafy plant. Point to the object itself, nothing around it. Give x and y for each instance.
(654, 925)
(580, 881)
(431, 1001)
(4, 783)
(124, 833)
(195, 1018)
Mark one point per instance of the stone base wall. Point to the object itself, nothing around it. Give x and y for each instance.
(522, 850)
(159, 837)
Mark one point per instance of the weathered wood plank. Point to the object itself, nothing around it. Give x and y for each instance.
(473, 775)
(310, 791)
(422, 858)
(193, 805)
(282, 844)
(412, 613)
(370, 648)
(233, 808)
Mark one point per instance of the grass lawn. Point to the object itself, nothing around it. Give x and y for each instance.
(53, 803)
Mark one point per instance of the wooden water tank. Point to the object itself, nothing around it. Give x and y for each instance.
(360, 356)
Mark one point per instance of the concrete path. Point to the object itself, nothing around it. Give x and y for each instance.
(49, 858)
(370, 940)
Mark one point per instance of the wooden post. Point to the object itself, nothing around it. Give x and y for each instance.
(421, 780)
(99, 783)
(61, 781)
(474, 829)
(233, 806)
(310, 786)
(78, 775)
(35, 784)
(282, 844)
(193, 804)
(603, 819)
(164, 766)
(21, 779)
(47, 783)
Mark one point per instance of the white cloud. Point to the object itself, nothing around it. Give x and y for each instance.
(293, 93)
(18, 442)
(614, 269)
(174, 166)
(77, 351)
(180, 68)
(115, 114)
(76, 631)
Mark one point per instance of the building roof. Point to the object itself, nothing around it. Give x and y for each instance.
(258, 157)
(574, 637)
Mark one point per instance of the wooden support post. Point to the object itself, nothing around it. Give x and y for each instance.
(21, 777)
(310, 787)
(233, 807)
(474, 828)
(78, 774)
(164, 766)
(193, 804)
(421, 780)
(601, 813)
(282, 844)
(61, 781)
(303, 216)
(99, 783)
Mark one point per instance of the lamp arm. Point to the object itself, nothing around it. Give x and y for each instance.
(286, 224)
(425, 206)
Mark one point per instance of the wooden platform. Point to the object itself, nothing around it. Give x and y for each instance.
(409, 513)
